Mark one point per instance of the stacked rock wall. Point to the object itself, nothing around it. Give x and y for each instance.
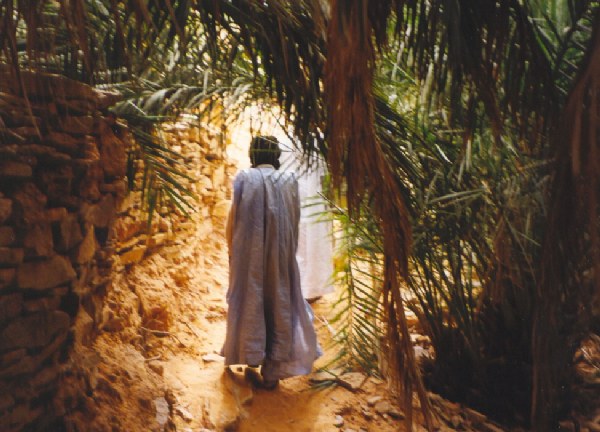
(62, 167)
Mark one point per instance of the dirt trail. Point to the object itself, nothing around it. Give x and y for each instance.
(157, 365)
(154, 366)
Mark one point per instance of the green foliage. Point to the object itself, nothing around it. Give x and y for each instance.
(358, 314)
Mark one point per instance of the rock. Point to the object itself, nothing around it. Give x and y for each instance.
(49, 273)
(489, 427)
(101, 214)
(474, 416)
(456, 421)
(42, 304)
(382, 407)
(34, 330)
(212, 357)
(44, 378)
(39, 241)
(6, 401)
(218, 176)
(113, 324)
(367, 414)
(57, 185)
(5, 209)
(113, 154)
(324, 375)
(81, 125)
(15, 170)
(157, 366)
(69, 233)
(87, 248)
(11, 256)
(84, 328)
(10, 306)
(12, 357)
(396, 414)
(89, 186)
(353, 381)
(373, 400)
(29, 204)
(7, 236)
(184, 413)
(63, 142)
(339, 421)
(7, 277)
(133, 256)
(221, 209)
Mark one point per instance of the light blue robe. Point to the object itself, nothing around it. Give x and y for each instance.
(268, 320)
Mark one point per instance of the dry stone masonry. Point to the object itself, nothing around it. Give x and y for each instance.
(62, 168)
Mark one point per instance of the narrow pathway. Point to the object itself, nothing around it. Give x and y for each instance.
(155, 366)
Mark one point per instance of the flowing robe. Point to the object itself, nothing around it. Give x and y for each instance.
(268, 320)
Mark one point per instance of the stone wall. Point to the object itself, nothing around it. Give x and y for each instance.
(62, 167)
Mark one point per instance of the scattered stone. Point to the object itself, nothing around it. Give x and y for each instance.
(162, 411)
(474, 416)
(367, 414)
(344, 410)
(221, 209)
(339, 421)
(489, 427)
(212, 357)
(456, 421)
(396, 414)
(373, 400)
(382, 407)
(114, 324)
(133, 256)
(157, 366)
(376, 381)
(184, 413)
(353, 381)
(325, 375)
